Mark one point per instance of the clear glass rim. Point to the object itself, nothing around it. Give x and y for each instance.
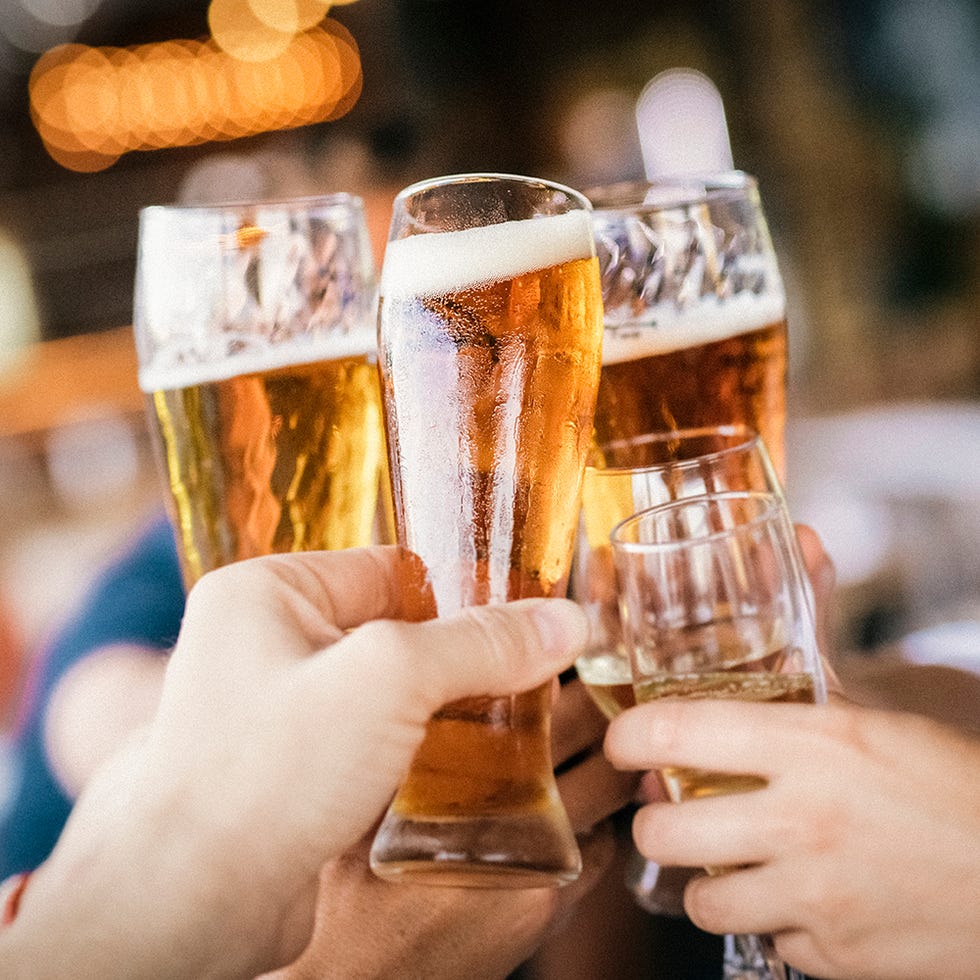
(772, 507)
(307, 202)
(486, 177)
(746, 436)
(693, 188)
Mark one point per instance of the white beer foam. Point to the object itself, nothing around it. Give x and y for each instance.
(708, 320)
(160, 377)
(427, 265)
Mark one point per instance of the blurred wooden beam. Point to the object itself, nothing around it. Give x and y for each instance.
(62, 381)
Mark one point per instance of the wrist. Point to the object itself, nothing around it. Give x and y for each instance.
(130, 891)
(11, 892)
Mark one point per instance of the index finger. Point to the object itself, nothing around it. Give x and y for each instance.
(726, 736)
(348, 587)
(302, 601)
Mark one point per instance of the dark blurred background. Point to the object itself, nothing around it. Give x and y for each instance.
(860, 118)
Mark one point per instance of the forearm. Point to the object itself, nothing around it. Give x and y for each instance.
(123, 896)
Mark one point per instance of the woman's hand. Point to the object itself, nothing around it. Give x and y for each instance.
(862, 855)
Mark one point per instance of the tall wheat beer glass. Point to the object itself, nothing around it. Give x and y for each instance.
(695, 311)
(255, 330)
(490, 338)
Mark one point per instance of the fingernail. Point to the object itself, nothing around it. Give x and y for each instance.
(562, 626)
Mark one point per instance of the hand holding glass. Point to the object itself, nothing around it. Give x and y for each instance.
(714, 604)
(625, 476)
(629, 475)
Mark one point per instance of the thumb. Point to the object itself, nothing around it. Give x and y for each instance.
(482, 650)
(503, 649)
(382, 682)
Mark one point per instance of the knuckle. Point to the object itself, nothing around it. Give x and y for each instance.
(498, 630)
(659, 731)
(389, 643)
(825, 906)
(644, 736)
(819, 831)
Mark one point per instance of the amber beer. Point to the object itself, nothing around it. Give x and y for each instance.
(695, 310)
(282, 457)
(490, 355)
(713, 366)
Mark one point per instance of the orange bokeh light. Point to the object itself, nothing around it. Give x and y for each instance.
(290, 16)
(90, 105)
(240, 33)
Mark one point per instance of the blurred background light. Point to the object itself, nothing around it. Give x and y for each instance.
(33, 26)
(681, 121)
(60, 13)
(91, 105)
(25, 32)
(599, 137)
(290, 16)
(20, 324)
(239, 32)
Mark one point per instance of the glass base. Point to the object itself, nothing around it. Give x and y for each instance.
(658, 890)
(744, 959)
(534, 850)
(751, 957)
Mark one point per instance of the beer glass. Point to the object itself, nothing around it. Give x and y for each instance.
(695, 315)
(490, 332)
(695, 312)
(628, 475)
(255, 331)
(713, 604)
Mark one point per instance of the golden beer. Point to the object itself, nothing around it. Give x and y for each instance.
(490, 356)
(629, 475)
(609, 681)
(685, 783)
(714, 607)
(287, 459)
(255, 326)
(682, 783)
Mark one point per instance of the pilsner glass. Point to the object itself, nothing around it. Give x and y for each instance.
(490, 334)
(695, 311)
(255, 330)
(714, 604)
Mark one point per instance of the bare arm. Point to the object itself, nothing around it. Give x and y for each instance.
(283, 729)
